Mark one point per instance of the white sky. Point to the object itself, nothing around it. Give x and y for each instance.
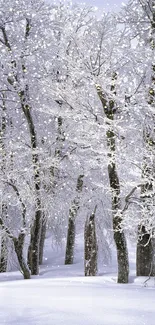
(107, 4)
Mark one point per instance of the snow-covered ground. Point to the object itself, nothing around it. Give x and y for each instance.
(62, 295)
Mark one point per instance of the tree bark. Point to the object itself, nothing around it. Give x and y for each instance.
(70, 238)
(4, 248)
(90, 244)
(3, 254)
(33, 250)
(119, 236)
(145, 263)
(24, 99)
(122, 251)
(19, 245)
(145, 253)
(145, 260)
(72, 223)
(42, 241)
(26, 107)
(19, 242)
(37, 224)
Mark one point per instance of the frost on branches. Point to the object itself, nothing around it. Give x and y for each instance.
(76, 132)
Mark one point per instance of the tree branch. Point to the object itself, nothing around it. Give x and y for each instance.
(127, 198)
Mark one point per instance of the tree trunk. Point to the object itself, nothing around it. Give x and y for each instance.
(70, 238)
(145, 263)
(3, 248)
(119, 236)
(90, 246)
(122, 252)
(24, 99)
(145, 260)
(23, 94)
(37, 224)
(145, 253)
(42, 241)
(3, 254)
(71, 223)
(19, 245)
(33, 250)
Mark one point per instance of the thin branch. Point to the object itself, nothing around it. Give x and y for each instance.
(10, 183)
(127, 198)
(6, 40)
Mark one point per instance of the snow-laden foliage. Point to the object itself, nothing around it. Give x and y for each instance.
(55, 59)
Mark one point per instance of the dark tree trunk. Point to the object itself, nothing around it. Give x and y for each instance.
(90, 244)
(19, 242)
(27, 110)
(3, 254)
(70, 238)
(33, 250)
(119, 236)
(3, 248)
(33, 254)
(42, 241)
(145, 260)
(122, 252)
(19, 245)
(37, 224)
(145, 253)
(71, 223)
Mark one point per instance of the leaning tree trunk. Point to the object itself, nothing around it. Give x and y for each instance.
(18, 242)
(90, 244)
(119, 236)
(33, 255)
(37, 223)
(71, 223)
(34, 247)
(26, 108)
(19, 246)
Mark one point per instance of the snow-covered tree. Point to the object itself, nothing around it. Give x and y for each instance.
(139, 17)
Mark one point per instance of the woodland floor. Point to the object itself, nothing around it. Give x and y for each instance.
(62, 295)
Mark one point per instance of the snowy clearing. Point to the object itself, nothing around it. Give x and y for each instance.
(75, 301)
(62, 295)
